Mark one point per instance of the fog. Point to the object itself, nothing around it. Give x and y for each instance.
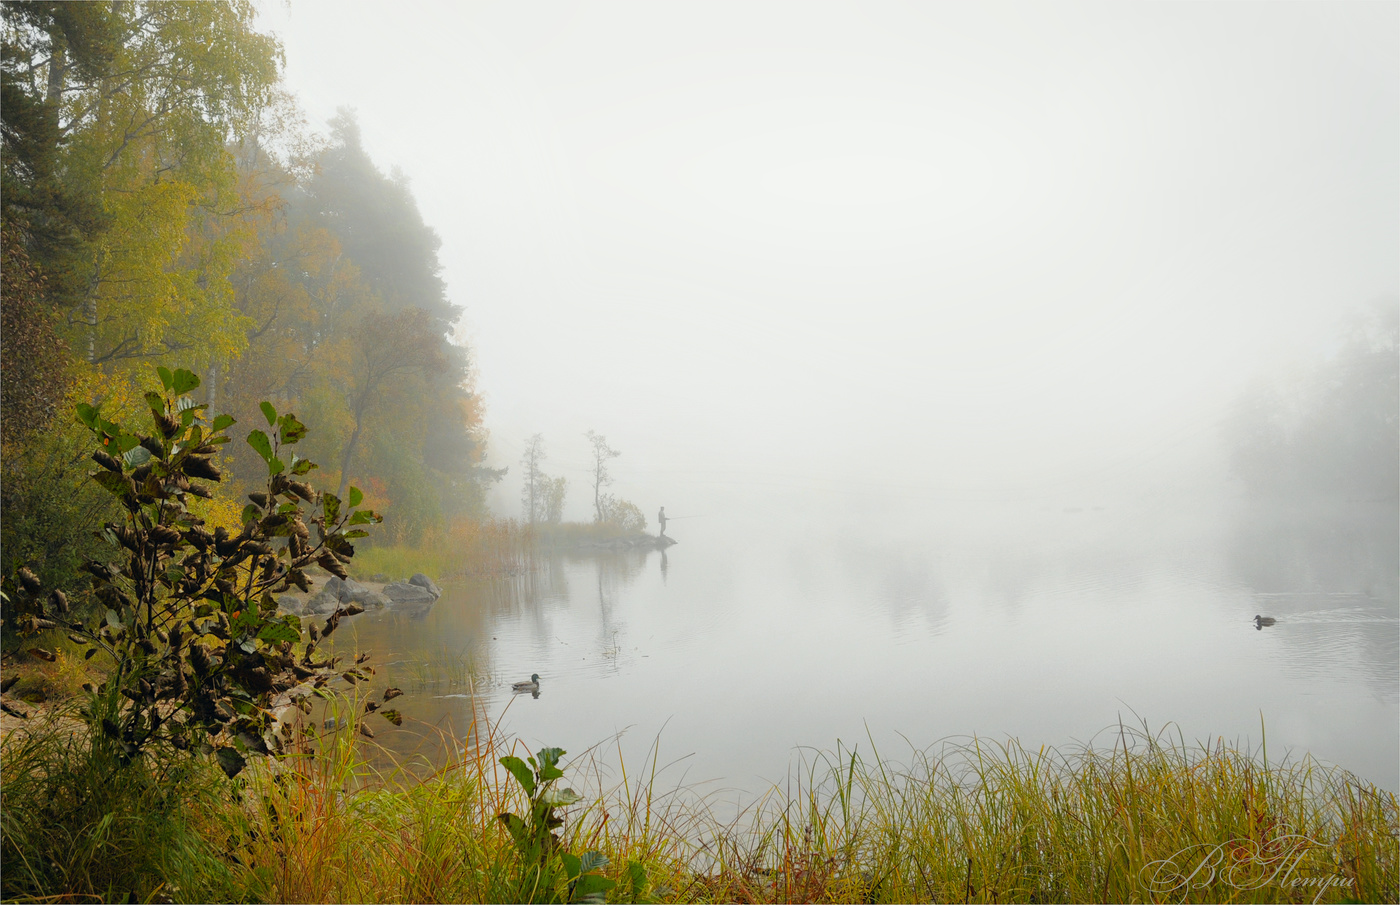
(854, 252)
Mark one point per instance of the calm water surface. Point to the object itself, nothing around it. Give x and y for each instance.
(762, 633)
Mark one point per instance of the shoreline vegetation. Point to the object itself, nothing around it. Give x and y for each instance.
(1132, 816)
(494, 548)
(1135, 816)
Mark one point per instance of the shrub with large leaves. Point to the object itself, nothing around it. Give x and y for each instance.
(548, 871)
(202, 659)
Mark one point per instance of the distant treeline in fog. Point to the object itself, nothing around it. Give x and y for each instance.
(1333, 430)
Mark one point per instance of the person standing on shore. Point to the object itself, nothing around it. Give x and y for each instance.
(661, 520)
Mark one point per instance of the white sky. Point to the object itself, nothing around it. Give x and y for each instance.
(928, 242)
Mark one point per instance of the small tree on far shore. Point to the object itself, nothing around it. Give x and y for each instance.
(602, 452)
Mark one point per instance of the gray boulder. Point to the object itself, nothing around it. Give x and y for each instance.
(350, 591)
(424, 581)
(402, 592)
(323, 603)
(289, 603)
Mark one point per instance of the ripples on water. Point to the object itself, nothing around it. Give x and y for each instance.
(747, 643)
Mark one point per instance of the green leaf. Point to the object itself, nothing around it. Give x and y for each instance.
(591, 888)
(522, 773)
(302, 466)
(550, 756)
(550, 772)
(519, 833)
(138, 455)
(560, 798)
(277, 632)
(330, 508)
(156, 401)
(572, 865)
(269, 412)
(222, 421)
(592, 861)
(87, 414)
(637, 873)
(362, 517)
(251, 512)
(258, 440)
(355, 497)
(187, 404)
(113, 619)
(275, 466)
(183, 382)
(166, 378)
(358, 533)
(112, 481)
(291, 430)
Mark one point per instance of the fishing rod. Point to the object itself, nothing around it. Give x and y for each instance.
(672, 518)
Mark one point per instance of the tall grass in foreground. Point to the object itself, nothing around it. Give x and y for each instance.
(1145, 818)
(1140, 817)
(76, 825)
(1149, 819)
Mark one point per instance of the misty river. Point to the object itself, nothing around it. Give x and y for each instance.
(763, 633)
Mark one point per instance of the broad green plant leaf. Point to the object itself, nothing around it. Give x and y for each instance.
(258, 440)
(519, 833)
(269, 413)
(591, 889)
(291, 430)
(136, 456)
(522, 773)
(183, 382)
(559, 798)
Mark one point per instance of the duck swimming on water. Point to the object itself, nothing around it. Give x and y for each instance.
(529, 687)
(1261, 621)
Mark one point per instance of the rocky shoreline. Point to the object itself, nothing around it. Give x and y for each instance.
(414, 595)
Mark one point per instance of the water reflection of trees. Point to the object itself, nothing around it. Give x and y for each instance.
(1335, 568)
(532, 596)
(1337, 548)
